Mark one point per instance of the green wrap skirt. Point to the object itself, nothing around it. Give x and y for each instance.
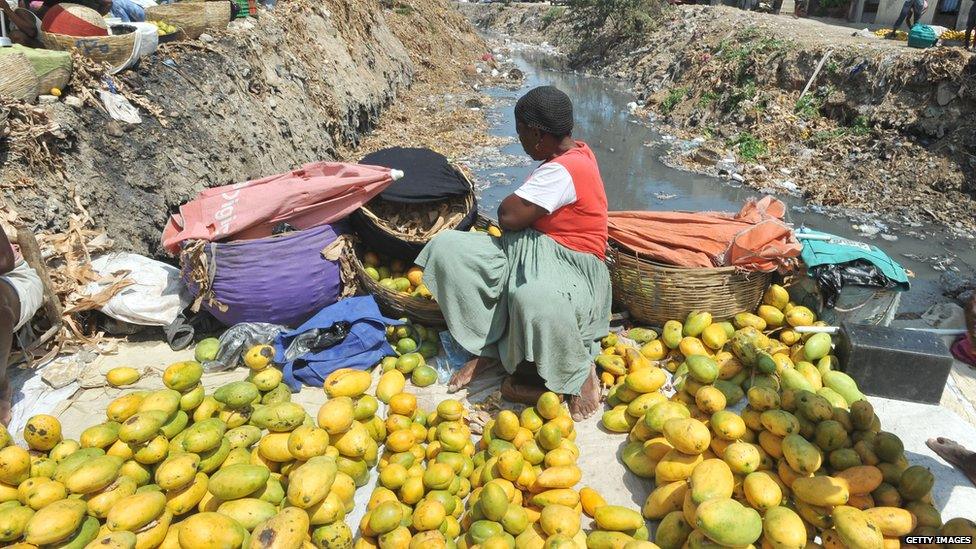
(521, 298)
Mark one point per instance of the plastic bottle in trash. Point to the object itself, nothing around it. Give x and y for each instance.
(452, 359)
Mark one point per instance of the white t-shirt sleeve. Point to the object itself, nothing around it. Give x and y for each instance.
(550, 187)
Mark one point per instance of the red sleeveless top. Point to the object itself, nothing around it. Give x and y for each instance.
(582, 225)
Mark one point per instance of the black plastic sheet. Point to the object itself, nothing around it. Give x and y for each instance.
(832, 278)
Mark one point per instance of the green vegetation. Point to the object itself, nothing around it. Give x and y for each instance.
(748, 146)
(674, 97)
(552, 14)
(743, 92)
(707, 99)
(808, 106)
(860, 127)
(627, 18)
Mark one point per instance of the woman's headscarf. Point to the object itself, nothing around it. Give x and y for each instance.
(546, 108)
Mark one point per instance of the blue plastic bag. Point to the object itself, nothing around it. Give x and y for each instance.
(364, 346)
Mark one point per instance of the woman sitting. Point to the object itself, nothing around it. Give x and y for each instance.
(537, 299)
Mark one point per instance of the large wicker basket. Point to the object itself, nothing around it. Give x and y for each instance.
(375, 230)
(17, 77)
(654, 293)
(114, 50)
(217, 15)
(191, 17)
(394, 304)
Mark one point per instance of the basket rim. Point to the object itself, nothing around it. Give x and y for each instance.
(469, 199)
(374, 287)
(616, 250)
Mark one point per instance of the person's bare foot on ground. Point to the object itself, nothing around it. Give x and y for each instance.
(522, 393)
(956, 454)
(463, 377)
(587, 402)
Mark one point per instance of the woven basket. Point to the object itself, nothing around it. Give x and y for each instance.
(217, 14)
(191, 17)
(17, 77)
(469, 202)
(422, 311)
(654, 293)
(114, 50)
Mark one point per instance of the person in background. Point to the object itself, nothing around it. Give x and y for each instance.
(128, 11)
(970, 27)
(21, 28)
(536, 299)
(21, 295)
(911, 12)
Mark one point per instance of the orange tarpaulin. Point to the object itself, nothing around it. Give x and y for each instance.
(754, 239)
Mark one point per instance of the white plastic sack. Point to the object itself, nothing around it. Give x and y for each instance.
(147, 40)
(156, 297)
(119, 108)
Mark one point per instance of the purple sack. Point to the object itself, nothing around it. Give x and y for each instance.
(281, 279)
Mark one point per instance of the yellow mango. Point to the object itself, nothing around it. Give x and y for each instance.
(347, 382)
(821, 490)
(211, 530)
(687, 435)
(646, 380)
(855, 528)
(762, 491)
(784, 529)
(711, 479)
(675, 466)
(664, 499)
(391, 383)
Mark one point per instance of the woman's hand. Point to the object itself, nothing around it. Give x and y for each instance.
(517, 213)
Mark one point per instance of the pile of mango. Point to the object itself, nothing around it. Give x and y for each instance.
(164, 28)
(524, 486)
(899, 35)
(177, 468)
(422, 477)
(395, 275)
(414, 344)
(806, 458)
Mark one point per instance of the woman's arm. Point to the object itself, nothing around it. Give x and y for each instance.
(21, 18)
(517, 213)
(6, 251)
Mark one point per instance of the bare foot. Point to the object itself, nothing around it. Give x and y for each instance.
(956, 454)
(463, 377)
(513, 390)
(587, 402)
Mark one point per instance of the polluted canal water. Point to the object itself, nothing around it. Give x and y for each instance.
(629, 151)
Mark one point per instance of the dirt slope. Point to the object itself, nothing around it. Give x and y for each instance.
(304, 82)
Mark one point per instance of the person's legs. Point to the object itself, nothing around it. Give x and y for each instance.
(9, 317)
(906, 10)
(469, 371)
(970, 25)
(465, 272)
(544, 328)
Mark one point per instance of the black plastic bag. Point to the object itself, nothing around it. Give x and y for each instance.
(831, 278)
(317, 340)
